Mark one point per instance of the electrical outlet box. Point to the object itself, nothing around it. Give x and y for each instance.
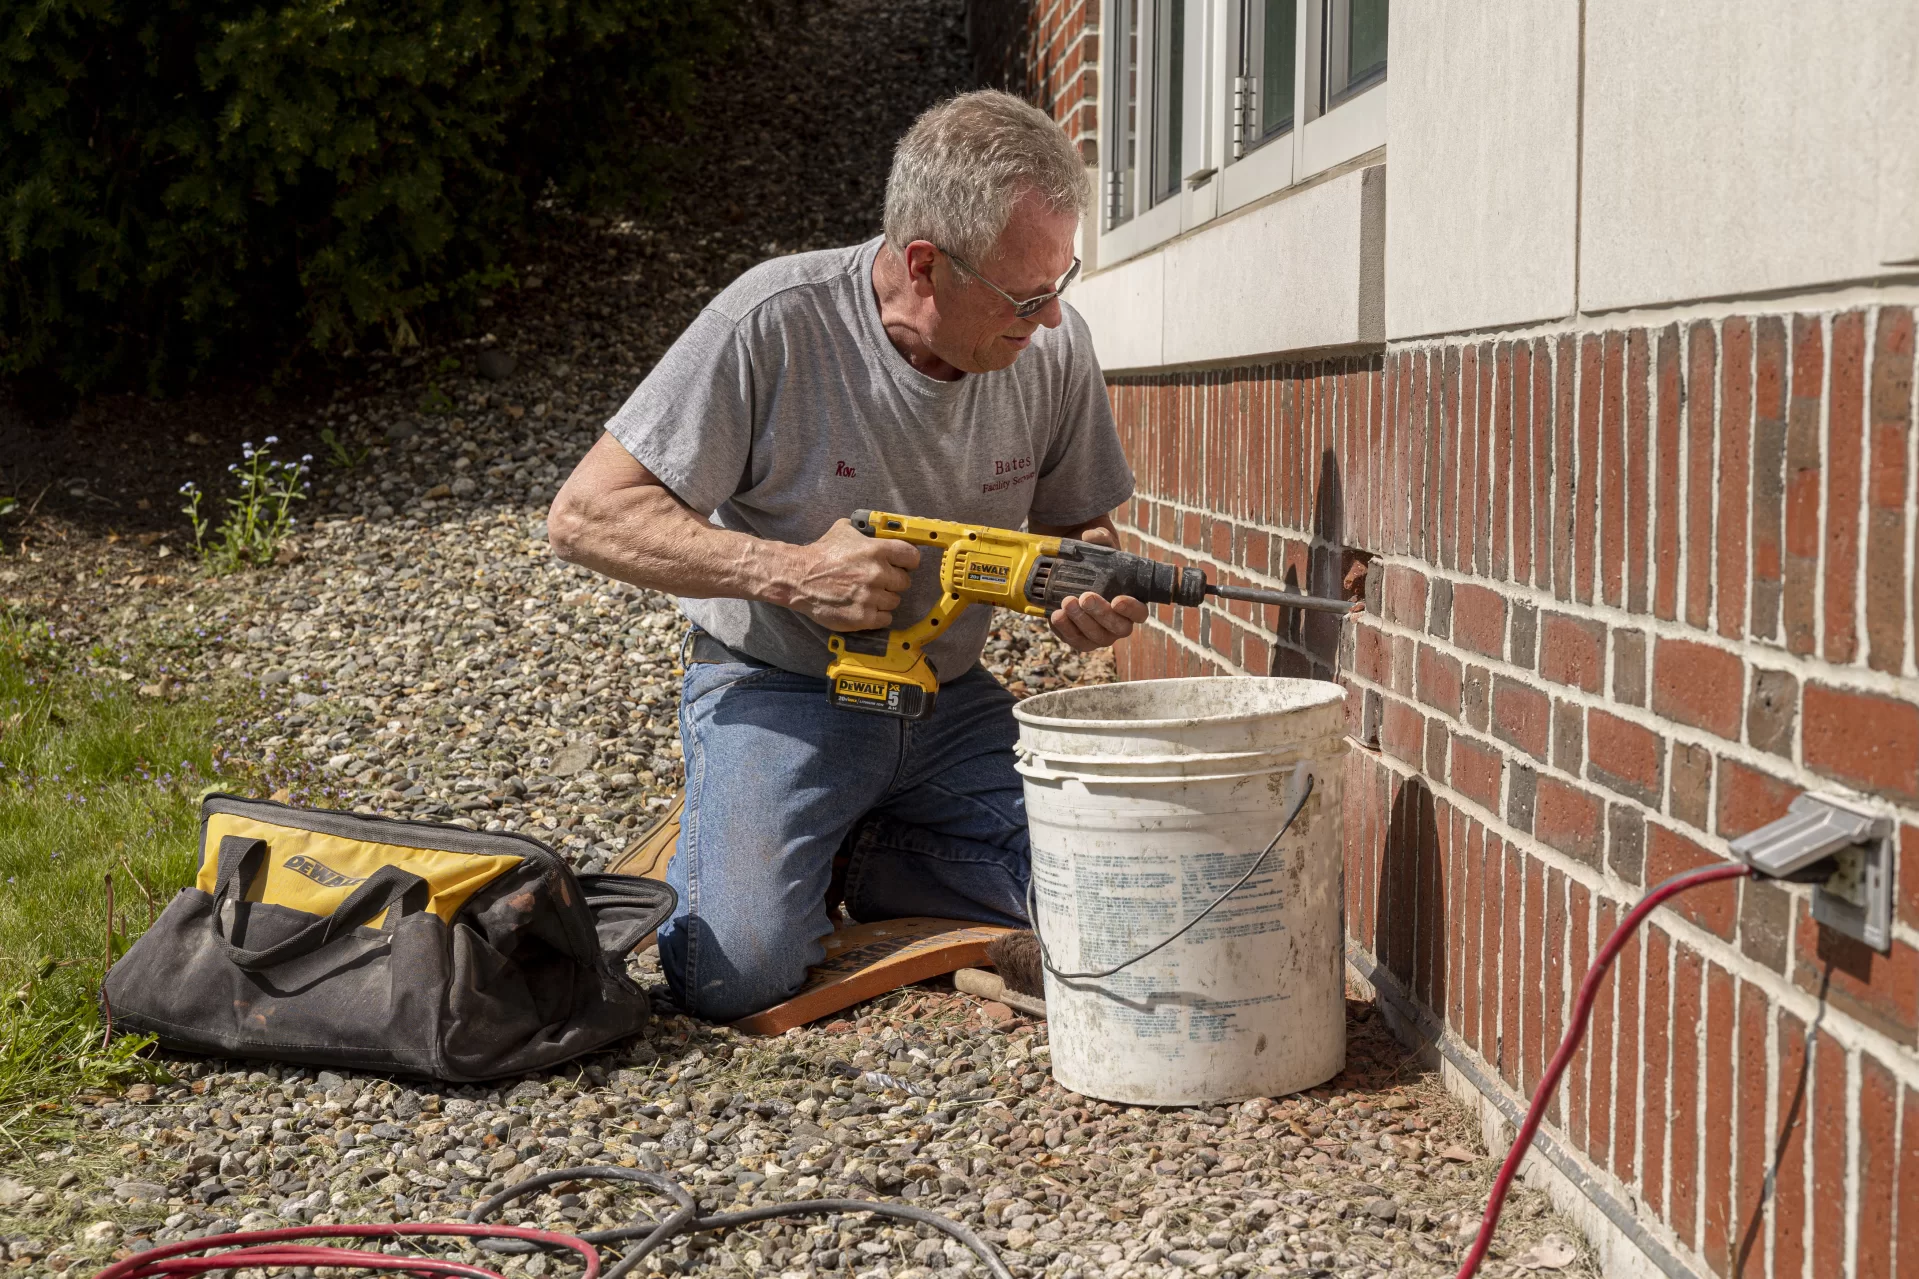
(1856, 898)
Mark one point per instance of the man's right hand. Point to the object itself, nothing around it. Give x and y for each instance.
(852, 582)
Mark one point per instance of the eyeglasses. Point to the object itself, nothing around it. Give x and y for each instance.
(1030, 306)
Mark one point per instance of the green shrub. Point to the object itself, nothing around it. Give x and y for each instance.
(186, 181)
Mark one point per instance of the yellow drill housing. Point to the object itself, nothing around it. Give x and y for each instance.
(887, 672)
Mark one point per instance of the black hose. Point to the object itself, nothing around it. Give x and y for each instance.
(685, 1218)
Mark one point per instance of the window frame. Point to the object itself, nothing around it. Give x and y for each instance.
(1322, 136)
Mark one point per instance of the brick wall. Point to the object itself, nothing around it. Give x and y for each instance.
(1046, 51)
(1629, 592)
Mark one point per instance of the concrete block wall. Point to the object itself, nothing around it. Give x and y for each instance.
(1629, 591)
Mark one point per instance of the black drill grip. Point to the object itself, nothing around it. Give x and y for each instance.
(1084, 566)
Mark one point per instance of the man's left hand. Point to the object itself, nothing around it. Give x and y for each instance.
(1088, 621)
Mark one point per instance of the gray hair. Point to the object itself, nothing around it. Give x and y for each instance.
(966, 162)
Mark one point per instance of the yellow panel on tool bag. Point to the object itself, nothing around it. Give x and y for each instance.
(313, 872)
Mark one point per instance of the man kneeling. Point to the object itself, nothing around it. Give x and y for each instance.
(933, 371)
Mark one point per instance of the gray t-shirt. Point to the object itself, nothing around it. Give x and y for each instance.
(784, 407)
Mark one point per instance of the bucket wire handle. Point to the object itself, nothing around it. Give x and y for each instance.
(1032, 914)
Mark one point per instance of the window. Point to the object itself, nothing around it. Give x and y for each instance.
(1268, 57)
(1150, 82)
(1169, 93)
(1355, 49)
(1122, 115)
(1207, 105)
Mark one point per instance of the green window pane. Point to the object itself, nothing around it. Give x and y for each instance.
(1170, 92)
(1277, 61)
(1366, 43)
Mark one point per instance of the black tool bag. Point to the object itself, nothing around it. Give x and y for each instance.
(335, 939)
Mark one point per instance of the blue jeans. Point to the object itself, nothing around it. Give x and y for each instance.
(777, 780)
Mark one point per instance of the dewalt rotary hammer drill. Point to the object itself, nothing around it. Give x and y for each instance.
(887, 673)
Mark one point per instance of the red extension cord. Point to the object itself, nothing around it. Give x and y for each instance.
(1582, 1010)
(276, 1249)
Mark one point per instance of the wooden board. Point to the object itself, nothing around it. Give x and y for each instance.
(864, 960)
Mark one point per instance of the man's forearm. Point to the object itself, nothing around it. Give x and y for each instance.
(645, 536)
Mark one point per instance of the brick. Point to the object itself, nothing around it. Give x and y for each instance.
(1748, 798)
(1765, 923)
(1890, 425)
(1625, 1122)
(1475, 772)
(1404, 650)
(1880, 990)
(1683, 1215)
(1845, 483)
(1563, 470)
(1372, 653)
(1716, 1226)
(1735, 482)
(1554, 940)
(1472, 982)
(1543, 462)
(1768, 474)
(1438, 680)
(1470, 452)
(1772, 709)
(1532, 976)
(1612, 450)
(1714, 907)
(1502, 459)
(1598, 1050)
(1479, 620)
(1579, 917)
(1829, 1089)
(1863, 739)
(1802, 485)
(1520, 798)
(1656, 1034)
(1572, 650)
(1437, 735)
(1638, 493)
(1878, 1166)
(1625, 757)
(1629, 667)
(1525, 635)
(1439, 620)
(1475, 696)
(1569, 819)
(1586, 486)
(1700, 450)
(1908, 1189)
(1700, 685)
(1521, 716)
(1626, 842)
(1371, 713)
(1753, 1143)
(1522, 430)
(1509, 966)
(1447, 377)
(1667, 508)
(1690, 784)
(1569, 736)
(1905, 880)
(1789, 1140)
(1405, 597)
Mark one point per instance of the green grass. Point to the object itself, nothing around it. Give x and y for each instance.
(95, 781)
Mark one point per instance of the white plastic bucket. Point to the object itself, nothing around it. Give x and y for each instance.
(1145, 802)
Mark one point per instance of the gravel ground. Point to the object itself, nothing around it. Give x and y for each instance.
(419, 653)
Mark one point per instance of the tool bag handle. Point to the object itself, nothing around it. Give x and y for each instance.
(241, 861)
